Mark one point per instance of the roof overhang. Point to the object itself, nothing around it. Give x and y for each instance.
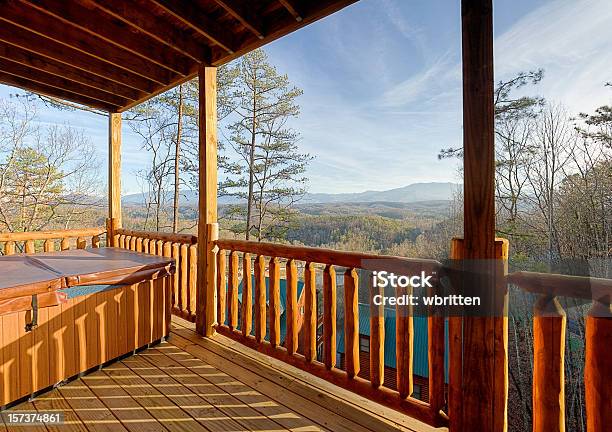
(114, 54)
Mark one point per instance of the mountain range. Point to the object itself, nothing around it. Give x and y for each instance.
(415, 192)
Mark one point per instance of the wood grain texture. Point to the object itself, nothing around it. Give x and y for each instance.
(310, 312)
(329, 316)
(549, 326)
(246, 324)
(233, 290)
(291, 342)
(275, 305)
(114, 167)
(206, 294)
(351, 322)
(260, 298)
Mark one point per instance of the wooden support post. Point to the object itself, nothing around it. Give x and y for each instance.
(114, 176)
(480, 342)
(208, 230)
(549, 323)
(483, 394)
(597, 368)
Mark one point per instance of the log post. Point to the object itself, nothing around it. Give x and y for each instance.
(549, 323)
(114, 176)
(597, 369)
(206, 295)
(483, 350)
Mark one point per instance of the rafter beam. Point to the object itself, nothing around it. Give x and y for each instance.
(53, 29)
(293, 8)
(243, 13)
(54, 67)
(46, 90)
(51, 80)
(79, 14)
(137, 16)
(17, 36)
(188, 13)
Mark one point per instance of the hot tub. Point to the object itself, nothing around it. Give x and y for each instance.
(64, 313)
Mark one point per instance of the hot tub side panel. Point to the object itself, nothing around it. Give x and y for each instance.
(79, 335)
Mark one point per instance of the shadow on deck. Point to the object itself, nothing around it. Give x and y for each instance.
(194, 384)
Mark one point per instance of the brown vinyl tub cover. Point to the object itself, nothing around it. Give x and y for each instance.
(31, 274)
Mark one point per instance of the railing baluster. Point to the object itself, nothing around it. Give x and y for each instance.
(95, 241)
(435, 355)
(598, 370)
(139, 244)
(133, 241)
(260, 298)
(351, 322)
(221, 287)
(233, 290)
(404, 349)
(291, 342)
(184, 265)
(176, 299)
(274, 302)
(122, 241)
(145, 245)
(193, 279)
(81, 243)
(377, 338)
(9, 248)
(29, 246)
(310, 312)
(152, 247)
(549, 323)
(48, 245)
(247, 296)
(329, 316)
(65, 244)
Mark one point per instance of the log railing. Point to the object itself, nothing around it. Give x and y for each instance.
(49, 241)
(549, 327)
(244, 261)
(181, 247)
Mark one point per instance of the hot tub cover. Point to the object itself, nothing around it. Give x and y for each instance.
(29, 274)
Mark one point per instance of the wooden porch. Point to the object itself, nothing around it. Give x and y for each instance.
(190, 383)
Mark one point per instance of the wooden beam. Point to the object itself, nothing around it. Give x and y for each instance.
(85, 16)
(136, 15)
(51, 80)
(207, 221)
(292, 7)
(243, 13)
(191, 15)
(50, 66)
(47, 90)
(114, 168)
(53, 29)
(484, 367)
(20, 37)
(277, 25)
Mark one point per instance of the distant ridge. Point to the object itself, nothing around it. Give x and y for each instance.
(415, 192)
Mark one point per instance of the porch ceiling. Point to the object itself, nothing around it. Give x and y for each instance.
(113, 54)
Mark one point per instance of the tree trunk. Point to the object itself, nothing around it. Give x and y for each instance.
(177, 153)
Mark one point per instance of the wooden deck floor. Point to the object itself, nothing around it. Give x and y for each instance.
(193, 384)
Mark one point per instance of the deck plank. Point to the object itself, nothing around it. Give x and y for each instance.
(53, 401)
(165, 411)
(223, 390)
(129, 412)
(217, 419)
(199, 373)
(29, 407)
(316, 413)
(88, 407)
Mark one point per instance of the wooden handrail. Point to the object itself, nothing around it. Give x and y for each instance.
(151, 235)
(55, 234)
(329, 256)
(562, 285)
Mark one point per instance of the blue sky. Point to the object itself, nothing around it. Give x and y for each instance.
(382, 84)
